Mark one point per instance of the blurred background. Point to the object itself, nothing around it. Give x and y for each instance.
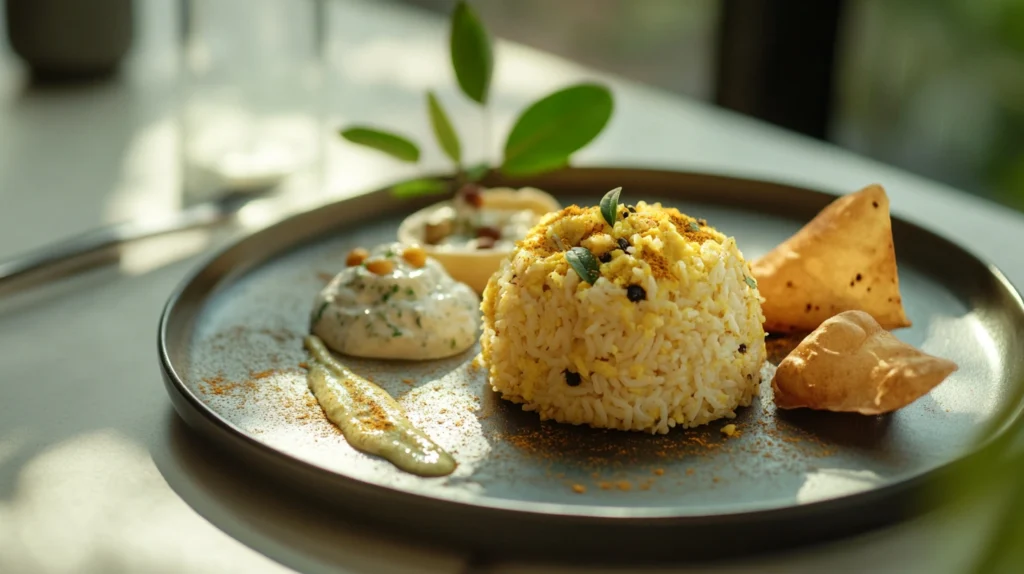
(933, 86)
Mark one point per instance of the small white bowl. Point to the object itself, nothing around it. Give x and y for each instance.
(471, 266)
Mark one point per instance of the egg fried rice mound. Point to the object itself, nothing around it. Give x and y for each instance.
(669, 334)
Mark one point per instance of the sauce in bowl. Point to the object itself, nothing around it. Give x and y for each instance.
(473, 232)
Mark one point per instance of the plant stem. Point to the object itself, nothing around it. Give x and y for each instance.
(485, 145)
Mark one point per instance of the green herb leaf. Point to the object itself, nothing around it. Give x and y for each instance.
(477, 172)
(471, 53)
(610, 206)
(750, 281)
(583, 262)
(418, 187)
(390, 143)
(443, 129)
(694, 226)
(555, 127)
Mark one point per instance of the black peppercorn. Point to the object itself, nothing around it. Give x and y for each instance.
(743, 348)
(623, 244)
(631, 208)
(605, 257)
(572, 379)
(635, 293)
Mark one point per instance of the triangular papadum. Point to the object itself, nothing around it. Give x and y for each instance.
(850, 364)
(842, 260)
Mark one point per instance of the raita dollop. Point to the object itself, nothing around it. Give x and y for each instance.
(394, 302)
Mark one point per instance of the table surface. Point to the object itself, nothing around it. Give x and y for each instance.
(97, 474)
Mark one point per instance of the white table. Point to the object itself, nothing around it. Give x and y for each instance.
(96, 472)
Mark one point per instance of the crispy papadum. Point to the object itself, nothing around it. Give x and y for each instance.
(842, 260)
(851, 364)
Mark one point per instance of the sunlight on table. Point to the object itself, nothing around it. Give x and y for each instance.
(69, 513)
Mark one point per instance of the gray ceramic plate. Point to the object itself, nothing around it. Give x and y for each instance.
(230, 343)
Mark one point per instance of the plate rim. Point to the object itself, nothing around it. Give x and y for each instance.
(618, 515)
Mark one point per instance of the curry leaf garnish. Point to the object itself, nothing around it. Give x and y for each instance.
(418, 187)
(392, 144)
(553, 128)
(694, 226)
(472, 58)
(583, 262)
(610, 206)
(443, 129)
(750, 281)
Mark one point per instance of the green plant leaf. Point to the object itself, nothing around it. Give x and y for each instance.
(418, 187)
(999, 460)
(610, 206)
(476, 172)
(584, 263)
(472, 57)
(443, 129)
(555, 127)
(390, 143)
(1003, 548)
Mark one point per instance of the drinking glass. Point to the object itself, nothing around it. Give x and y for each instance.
(251, 106)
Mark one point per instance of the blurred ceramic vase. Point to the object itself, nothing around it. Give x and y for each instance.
(70, 39)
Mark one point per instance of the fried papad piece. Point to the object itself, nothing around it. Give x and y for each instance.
(851, 364)
(842, 260)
